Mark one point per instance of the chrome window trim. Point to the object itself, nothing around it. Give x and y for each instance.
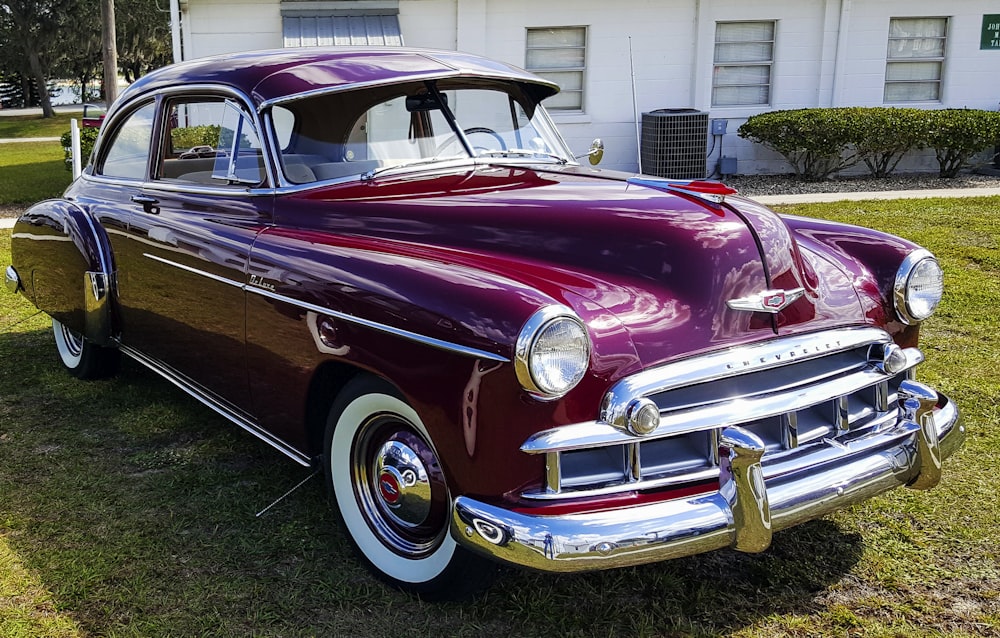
(433, 342)
(193, 90)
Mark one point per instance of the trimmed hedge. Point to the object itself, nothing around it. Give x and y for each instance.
(821, 142)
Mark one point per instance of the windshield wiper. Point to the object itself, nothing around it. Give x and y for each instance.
(373, 173)
(523, 152)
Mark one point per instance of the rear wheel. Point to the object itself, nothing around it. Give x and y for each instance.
(83, 358)
(392, 497)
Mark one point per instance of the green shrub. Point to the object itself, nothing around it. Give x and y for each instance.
(957, 135)
(812, 140)
(191, 136)
(87, 138)
(883, 135)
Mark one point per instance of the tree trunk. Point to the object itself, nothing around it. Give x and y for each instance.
(43, 91)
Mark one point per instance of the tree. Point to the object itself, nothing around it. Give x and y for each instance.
(31, 26)
(143, 37)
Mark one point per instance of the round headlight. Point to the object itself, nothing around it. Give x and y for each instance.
(552, 352)
(919, 286)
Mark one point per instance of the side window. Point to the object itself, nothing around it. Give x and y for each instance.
(210, 141)
(128, 149)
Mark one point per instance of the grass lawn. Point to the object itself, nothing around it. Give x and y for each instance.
(127, 509)
(13, 126)
(31, 172)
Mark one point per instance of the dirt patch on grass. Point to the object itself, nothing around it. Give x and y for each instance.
(12, 211)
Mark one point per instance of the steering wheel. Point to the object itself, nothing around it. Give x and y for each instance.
(469, 131)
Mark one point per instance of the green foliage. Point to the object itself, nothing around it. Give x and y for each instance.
(821, 142)
(882, 136)
(957, 135)
(812, 140)
(190, 136)
(87, 138)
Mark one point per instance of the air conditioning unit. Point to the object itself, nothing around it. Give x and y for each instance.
(673, 143)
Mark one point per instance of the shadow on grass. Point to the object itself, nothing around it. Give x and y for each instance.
(135, 507)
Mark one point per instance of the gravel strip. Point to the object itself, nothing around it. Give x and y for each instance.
(758, 185)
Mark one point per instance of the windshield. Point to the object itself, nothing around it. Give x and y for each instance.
(361, 133)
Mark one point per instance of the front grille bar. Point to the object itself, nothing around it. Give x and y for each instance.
(859, 399)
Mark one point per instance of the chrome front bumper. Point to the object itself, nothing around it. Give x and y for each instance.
(742, 514)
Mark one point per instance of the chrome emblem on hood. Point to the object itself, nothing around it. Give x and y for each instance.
(772, 301)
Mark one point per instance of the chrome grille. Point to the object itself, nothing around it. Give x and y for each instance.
(794, 394)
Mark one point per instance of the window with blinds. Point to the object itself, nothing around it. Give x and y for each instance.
(559, 54)
(915, 59)
(744, 53)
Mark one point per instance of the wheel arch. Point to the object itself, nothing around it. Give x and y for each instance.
(64, 259)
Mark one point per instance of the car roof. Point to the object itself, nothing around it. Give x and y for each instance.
(269, 77)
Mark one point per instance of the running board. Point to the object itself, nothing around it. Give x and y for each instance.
(206, 399)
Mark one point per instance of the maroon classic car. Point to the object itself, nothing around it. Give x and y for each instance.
(387, 263)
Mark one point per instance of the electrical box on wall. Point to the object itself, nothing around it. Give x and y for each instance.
(727, 165)
(719, 127)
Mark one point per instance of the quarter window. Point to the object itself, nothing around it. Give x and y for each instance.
(129, 148)
(915, 59)
(559, 54)
(744, 53)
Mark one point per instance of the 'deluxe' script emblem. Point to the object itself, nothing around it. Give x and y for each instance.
(772, 301)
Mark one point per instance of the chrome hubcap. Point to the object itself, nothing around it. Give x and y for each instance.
(404, 487)
(399, 486)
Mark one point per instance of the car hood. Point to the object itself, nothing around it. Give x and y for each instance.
(626, 255)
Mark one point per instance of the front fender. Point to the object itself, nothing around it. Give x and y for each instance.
(64, 261)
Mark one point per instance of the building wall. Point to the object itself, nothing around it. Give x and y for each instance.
(827, 53)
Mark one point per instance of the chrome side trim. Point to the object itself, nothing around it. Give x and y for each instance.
(681, 527)
(438, 344)
(217, 406)
(726, 363)
(398, 332)
(11, 280)
(196, 271)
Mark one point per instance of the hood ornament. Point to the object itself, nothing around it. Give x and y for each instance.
(772, 301)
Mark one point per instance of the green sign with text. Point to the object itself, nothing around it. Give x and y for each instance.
(991, 32)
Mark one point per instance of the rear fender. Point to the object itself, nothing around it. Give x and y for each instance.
(63, 259)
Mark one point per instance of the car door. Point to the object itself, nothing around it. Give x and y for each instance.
(193, 222)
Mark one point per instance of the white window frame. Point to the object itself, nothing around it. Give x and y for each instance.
(891, 61)
(544, 71)
(718, 65)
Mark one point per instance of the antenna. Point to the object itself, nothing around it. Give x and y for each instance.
(635, 107)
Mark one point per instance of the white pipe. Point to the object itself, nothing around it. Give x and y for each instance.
(74, 152)
(175, 29)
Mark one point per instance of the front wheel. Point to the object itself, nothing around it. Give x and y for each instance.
(391, 494)
(83, 358)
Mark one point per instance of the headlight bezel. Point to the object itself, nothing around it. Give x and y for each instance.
(538, 324)
(905, 310)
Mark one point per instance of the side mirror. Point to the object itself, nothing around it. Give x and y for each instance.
(596, 152)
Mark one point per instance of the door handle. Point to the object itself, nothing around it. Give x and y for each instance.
(149, 204)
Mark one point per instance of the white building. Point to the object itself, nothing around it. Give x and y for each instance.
(727, 58)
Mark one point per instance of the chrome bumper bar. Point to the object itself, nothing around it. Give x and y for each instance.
(742, 514)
